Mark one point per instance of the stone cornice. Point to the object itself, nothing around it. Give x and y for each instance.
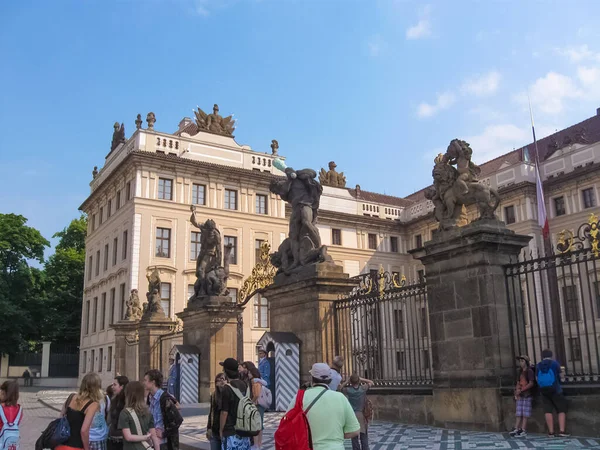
(105, 280)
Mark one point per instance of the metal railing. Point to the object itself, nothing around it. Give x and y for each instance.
(554, 303)
(382, 331)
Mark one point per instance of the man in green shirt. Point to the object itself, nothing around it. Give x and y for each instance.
(331, 418)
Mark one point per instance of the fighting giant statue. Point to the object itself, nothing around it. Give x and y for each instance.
(212, 269)
(302, 192)
(153, 307)
(454, 187)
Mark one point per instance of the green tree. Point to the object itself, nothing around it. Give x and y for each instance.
(63, 284)
(19, 284)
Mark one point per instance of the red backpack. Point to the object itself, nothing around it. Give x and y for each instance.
(294, 431)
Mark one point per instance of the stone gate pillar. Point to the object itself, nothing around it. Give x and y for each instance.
(212, 326)
(125, 331)
(302, 303)
(469, 321)
(150, 330)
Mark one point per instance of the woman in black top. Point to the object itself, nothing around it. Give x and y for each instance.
(80, 409)
(212, 427)
(115, 436)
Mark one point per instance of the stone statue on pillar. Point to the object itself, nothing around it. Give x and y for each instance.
(302, 192)
(153, 308)
(134, 310)
(454, 187)
(212, 269)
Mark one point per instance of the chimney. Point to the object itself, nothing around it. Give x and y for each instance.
(358, 191)
(184, 123)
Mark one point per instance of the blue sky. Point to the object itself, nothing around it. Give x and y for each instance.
(378, 86)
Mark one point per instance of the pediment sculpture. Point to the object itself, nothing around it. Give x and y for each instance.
(332, 177)
(215, 123)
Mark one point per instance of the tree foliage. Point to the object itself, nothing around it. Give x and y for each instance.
(38, 305)
(19, 283)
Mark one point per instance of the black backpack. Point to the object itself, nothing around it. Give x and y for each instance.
(171, 416)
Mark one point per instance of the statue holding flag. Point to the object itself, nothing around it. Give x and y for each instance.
(302, 192)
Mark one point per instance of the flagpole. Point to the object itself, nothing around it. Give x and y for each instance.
(557, 328)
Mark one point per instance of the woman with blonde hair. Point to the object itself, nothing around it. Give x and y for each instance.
(135, 420)
(80, 409)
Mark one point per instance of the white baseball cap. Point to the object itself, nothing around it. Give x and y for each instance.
(321, 371)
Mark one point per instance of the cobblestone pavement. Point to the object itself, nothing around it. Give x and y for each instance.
(382, 435)
(36, 415)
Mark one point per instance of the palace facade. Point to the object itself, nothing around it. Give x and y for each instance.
(139, 217)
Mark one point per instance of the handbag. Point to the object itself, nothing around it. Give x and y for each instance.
(138, 427)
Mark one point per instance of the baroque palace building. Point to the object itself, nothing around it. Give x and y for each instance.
(139, 217)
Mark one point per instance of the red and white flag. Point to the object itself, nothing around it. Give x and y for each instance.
(539, 189)
(541, 204)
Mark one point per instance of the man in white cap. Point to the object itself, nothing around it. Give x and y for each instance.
(331, 417)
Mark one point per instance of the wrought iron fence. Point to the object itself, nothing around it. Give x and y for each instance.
(382, 330)
(554, 303)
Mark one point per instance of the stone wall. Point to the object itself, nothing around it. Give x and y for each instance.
(417, 407)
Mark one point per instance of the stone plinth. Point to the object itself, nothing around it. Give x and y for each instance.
(302, 303)
(469, 321)
(150, 330)
(126, 333)
(212, 326)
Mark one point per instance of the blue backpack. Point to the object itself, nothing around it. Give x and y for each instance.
(9, 437)
(546, 380)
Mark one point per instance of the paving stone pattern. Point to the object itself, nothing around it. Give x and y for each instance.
(382, 435)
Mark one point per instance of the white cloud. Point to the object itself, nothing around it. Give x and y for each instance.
(548, 94)
(588, 75)
(423, 27)
(485, 84)
(579, 54)
(444, 101)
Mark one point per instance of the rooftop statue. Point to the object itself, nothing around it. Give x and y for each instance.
(274, 147)
(332, 177)
(118, 136)
(214, 123)
(302, 192)
(212, 270)
(454, 187)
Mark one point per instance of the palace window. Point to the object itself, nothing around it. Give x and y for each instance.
(165, 189)
(165, 297)
(372, 241)
(261, 204)
(400, 361)
(118, 206)
(163, 242)
(195, 245)
(336, 236)
(571, 303)
(109, 209)
(115, 249)
(559, 206)
(190, 291)
(232, 240)
(230, 199)
(575, 347)
(124, 253)
(100, 359)
(128, 191)
(418, 241)
(101, 214)
(261, 312)
(198, 194)
(112, 306)
(94, 314)
(87, 317)
(103, 312)
(93, 360)
(233, 293)
(509, 214)
(394, 244)
(90, 267)
(94, 222)
(109, 360)
(105, 257)
(257, 245)
(122, 300)
(98, 263)
(589, 199)
(398, 324)
(84, 362)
